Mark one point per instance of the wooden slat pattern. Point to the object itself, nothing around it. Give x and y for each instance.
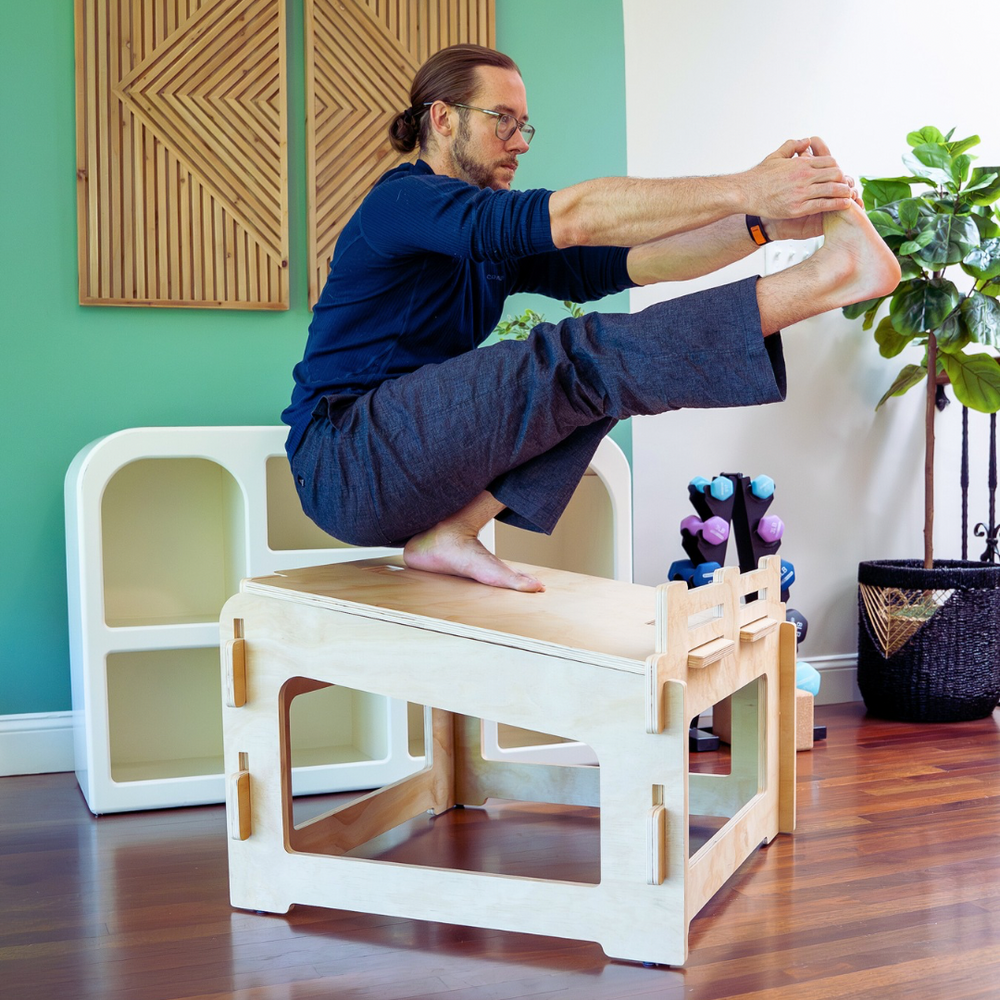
(182, 165)
(360, 58)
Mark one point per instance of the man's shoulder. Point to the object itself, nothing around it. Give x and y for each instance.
(409, 170)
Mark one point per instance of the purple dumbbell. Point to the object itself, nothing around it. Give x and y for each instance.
(692, 524)
(715, 530)
(770, 528)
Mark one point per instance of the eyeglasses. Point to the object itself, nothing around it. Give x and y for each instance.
(506, 124)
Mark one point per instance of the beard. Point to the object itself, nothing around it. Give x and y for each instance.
(474, 171)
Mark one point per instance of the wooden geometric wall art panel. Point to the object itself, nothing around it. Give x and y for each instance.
(360, 59)
(182, 165)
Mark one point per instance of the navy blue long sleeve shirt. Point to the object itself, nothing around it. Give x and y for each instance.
(420, 274)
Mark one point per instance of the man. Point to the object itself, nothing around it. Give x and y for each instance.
(403, 434)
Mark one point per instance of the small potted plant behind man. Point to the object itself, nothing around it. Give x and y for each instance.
(929, 632)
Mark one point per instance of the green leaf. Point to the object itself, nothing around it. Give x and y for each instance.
(910, 376)
(983, 219)
(909, 212)
(913, 246)
(909, 268)
(953, 236)
(960, 168)
(983, 261)
(861, 308)
(928, 134)
(952, 334)
(983, 177)
(975, 379)
(890, 343)
(956, 148)
(885, 224)
(932, 154)
(931, 162)
(518, 327)
(878, 192)
(982, 190)
(982, 317)
(918, 306)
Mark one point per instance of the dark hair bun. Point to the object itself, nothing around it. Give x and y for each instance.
(404, 131)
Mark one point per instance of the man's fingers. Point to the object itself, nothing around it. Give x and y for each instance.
(816, 205)
(822, 163)
(790, 148)
(818, 146)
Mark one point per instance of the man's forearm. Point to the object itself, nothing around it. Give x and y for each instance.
(690, 255)
(630, 212)
(791, 183)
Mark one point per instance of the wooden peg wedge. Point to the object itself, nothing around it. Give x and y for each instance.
(656, 845)
(239, 814)
(236, 673)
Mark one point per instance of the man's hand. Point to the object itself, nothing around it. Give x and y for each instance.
(791, 188)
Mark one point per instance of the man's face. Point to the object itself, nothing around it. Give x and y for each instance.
(478, 155)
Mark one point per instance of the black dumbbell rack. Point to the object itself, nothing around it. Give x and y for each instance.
(743, 509)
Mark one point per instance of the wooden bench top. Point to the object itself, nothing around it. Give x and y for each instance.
(589, 618)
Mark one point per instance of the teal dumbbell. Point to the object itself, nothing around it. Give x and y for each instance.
(762, 487)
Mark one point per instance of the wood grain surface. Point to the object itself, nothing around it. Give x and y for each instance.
(361, 56)
(890, 889)
(182, 153)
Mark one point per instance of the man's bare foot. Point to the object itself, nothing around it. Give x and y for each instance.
(852, 265)
(449, 548)
(868, 267)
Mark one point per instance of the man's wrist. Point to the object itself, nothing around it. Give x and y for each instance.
(755, 227)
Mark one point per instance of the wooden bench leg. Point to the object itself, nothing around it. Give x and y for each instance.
(786, 739)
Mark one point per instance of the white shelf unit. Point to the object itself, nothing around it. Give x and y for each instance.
(161, 525)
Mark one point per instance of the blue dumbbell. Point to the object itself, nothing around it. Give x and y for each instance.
(681, 569)
(703, 573)
(800, 622)
(787, 574)
(699, 483)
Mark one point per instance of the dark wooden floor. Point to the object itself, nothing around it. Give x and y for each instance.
(889, 889)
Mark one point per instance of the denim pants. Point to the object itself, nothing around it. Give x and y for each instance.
(522, 419)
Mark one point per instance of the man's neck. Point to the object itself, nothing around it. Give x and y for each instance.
(440, 163)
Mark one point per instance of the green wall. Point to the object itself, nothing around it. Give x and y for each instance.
(72, 374)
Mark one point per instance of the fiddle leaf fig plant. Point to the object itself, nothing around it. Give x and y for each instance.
(942, 215)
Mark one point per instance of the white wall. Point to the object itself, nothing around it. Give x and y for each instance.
(713, 88)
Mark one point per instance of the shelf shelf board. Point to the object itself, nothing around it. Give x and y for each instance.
(318, 756)
(161, 770)
(159, 621)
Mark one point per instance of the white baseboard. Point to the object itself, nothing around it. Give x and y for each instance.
(838, 678)
(39, 743)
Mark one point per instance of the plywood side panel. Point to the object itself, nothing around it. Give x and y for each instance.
(182, 166)
(360, 58)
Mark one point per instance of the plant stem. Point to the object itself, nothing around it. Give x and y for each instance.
(929, 413)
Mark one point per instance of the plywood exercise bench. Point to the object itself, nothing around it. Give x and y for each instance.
(620, 667)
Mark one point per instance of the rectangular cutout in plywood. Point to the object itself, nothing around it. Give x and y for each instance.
(361, 56)
(182, 165)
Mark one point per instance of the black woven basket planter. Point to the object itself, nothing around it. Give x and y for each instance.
(929, 640)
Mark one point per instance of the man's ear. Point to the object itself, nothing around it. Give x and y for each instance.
(441, 120)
